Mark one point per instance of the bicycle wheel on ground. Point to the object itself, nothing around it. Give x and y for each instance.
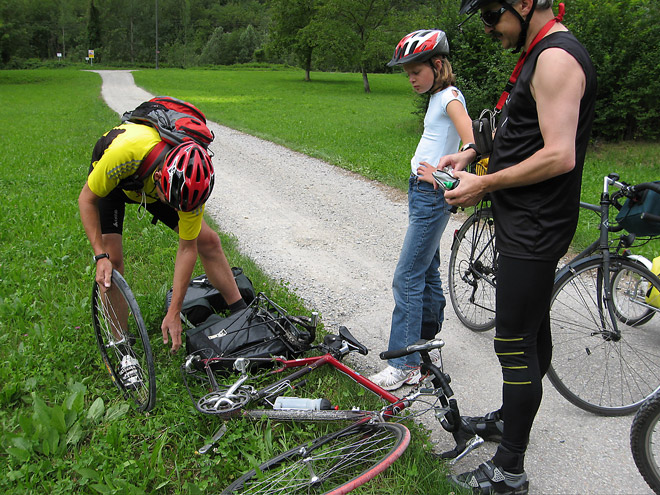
(645, 441)
(123, 342)
(592, 367)
(629, 294)
(472, 271)
(334, 464)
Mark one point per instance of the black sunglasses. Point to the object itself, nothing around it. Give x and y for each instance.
(492, 17)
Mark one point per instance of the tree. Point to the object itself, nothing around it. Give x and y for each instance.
(247, 44)
(93, 27)
(355, 31)
(290, 31)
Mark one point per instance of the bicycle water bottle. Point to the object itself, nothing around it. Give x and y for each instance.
(302, 404)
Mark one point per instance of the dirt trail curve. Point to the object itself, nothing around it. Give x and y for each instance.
(335, 238)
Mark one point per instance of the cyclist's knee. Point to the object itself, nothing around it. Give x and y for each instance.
(513, 354)
(208, 241)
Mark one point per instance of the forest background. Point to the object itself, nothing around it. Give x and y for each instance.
(623, 37)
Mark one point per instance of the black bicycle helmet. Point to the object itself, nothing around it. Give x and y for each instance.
(420, 46)
(470, 7)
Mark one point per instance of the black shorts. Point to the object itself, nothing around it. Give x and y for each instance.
(113, 207)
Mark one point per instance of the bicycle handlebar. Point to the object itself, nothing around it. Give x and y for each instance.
(626, 191)
(420, 345)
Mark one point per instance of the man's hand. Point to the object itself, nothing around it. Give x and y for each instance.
(456, 161)
(172, 325)
(469, 192)
(104, 273)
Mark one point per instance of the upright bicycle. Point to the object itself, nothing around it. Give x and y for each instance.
(123, 342)
(343, 459)
(606, 332)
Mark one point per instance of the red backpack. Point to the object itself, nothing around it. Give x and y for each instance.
(176, 121)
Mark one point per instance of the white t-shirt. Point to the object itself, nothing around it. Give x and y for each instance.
(440, 137)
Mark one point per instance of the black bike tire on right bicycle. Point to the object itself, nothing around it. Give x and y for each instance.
(350, 467)
(476, 235)
(591, 370)
(644, 431)
(143, 396)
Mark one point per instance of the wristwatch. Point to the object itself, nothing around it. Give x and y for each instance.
(100, 256)
(472, 146)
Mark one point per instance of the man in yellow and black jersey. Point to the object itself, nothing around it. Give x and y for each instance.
(175, 194)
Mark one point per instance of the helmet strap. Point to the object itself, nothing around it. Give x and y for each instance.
(524, 23)
(435, 85)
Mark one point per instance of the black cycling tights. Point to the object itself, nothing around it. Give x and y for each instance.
(523, 344)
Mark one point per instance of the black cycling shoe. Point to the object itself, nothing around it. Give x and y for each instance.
(488, 427)
(490, 479)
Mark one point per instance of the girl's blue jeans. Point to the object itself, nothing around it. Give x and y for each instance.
(418, 297)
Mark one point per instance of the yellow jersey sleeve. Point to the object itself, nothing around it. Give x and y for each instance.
(127, 146)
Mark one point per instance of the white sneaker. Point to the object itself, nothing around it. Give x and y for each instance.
(392, 378)
(436, 357)
(129, 372)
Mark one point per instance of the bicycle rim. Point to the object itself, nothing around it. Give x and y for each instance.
(472, 270)
(120, 332)
(629, 290)
(334, 464)
(591, 368)
(645, 441)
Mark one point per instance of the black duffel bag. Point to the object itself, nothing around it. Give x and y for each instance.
(203, 300)
(262, 330)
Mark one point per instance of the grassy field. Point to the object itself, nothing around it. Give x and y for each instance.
(64, 427)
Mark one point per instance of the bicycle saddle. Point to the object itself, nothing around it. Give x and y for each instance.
(352, 341)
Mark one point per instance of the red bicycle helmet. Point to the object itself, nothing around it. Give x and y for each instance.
(186, 177)
(420, 46)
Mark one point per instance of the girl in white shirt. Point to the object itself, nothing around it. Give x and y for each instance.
(419, 300)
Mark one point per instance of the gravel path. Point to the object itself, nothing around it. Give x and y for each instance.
(335, 238)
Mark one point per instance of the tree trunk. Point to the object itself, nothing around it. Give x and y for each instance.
(308, 65)
(365, 80)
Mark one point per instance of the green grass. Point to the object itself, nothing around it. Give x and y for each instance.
(372, 134)
(64, 427)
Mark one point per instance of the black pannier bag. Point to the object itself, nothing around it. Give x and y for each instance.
(631, 216)
(203, 300)
(262, 330)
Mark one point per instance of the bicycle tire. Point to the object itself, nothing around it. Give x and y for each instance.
(116, 340)
(590, 368)
(333, 464)
(645, 441)
(629, 289)
(472, 271)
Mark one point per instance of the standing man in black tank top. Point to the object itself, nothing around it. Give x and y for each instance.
(534, 180)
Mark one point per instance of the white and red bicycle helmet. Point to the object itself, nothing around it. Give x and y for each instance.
(420, 46)
(187, 177)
